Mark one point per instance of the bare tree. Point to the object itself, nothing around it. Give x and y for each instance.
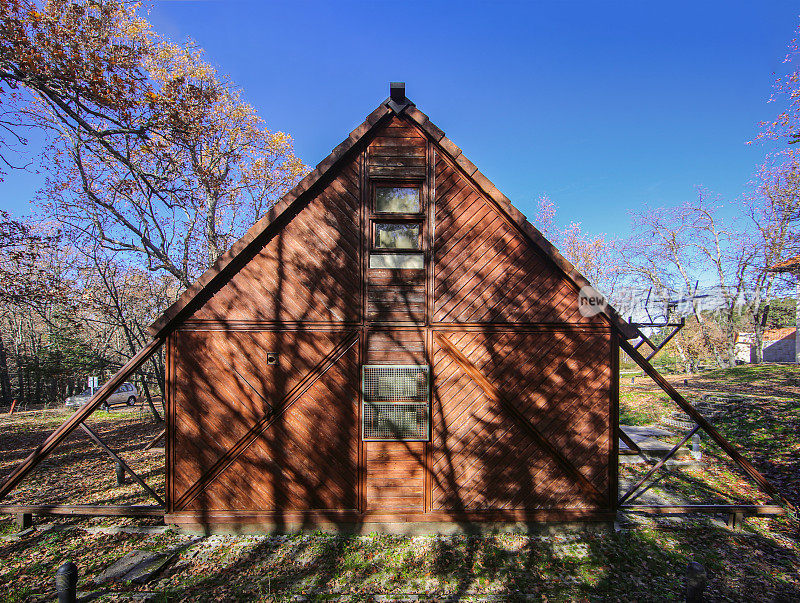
(595, 256)
(673, 249)
(773, 211)
(123, 300)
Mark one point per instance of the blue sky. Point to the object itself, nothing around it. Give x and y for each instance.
(604, 106)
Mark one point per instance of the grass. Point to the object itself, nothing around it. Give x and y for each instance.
(750, 374)
(764, 426)
(644, 561)
(643, 407)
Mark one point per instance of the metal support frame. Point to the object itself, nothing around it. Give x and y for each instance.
(703, 424)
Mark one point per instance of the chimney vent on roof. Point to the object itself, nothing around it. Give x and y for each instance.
(397, 91)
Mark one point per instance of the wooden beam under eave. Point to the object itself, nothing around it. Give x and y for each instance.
(54, 439)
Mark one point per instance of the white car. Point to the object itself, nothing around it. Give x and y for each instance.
(125, 394)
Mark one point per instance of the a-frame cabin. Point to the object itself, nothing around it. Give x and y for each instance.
(392, 342)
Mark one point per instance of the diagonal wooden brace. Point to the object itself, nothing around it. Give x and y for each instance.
(54, 439)
(628, 441)
(632, 445)
(494, 394)
(658, 465)
(669, 337)
(643, 339)
(155, 440)
(690, 410)
(96, 439)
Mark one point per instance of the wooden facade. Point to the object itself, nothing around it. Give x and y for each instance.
(266, 354)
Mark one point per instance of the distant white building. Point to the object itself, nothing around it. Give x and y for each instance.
(778, 346)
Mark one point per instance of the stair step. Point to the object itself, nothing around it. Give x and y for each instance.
(680, 425)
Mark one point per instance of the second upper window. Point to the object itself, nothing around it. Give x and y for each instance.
(397, 235)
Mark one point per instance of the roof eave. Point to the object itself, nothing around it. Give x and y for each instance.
(258, 231)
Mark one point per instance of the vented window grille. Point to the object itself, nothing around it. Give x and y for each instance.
(396, 402)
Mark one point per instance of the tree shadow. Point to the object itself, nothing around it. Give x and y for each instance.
(281, 444)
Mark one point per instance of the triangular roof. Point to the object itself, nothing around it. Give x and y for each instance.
(241, 251)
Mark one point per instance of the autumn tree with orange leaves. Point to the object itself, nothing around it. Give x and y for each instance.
(150, 151)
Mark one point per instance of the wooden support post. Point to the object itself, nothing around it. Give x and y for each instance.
(690, 410)
(735, 520)
(55, 438)
(24, 520)
(96, 439)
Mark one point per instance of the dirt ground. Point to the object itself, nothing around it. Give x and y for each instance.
(639, 560)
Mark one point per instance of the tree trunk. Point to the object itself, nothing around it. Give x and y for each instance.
(38, 383)
(149, 399)
(686, 364)
(26, 388)
(157, 360)
(5, 382)
(797, 324)
(758, 345)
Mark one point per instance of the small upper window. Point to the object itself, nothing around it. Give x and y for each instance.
(397, 200)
